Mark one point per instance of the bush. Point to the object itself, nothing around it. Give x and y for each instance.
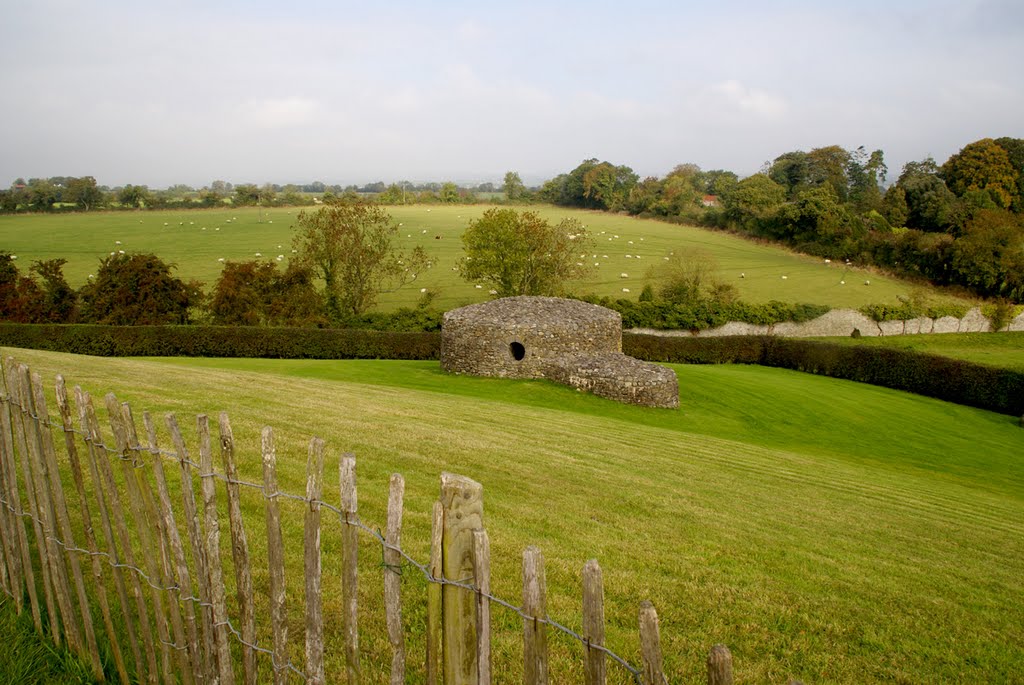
(218, 341)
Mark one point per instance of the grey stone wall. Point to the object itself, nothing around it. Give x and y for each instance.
(842, 322)
(568, 341)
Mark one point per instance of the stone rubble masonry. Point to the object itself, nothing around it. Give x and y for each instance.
(566, 341)
(842, 322)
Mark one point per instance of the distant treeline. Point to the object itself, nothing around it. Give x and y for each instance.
(960, 223)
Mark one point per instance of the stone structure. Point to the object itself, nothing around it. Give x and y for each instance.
(566, 341)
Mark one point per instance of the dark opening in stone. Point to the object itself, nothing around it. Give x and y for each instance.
(518, 351)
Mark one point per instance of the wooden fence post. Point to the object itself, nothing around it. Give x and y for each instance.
(393, 578)
(91, 449)
(719, 666)
(275, 558)
(19, 541)
(349, 569)
(482, 580)
(239, 551)
(535, 633)
(208, 660)
(434, 597)
(462, 500)
(89, 649)
(21, 446)
(120, 417)
(11, 554)
(163, 564)
(211, 532)
(314, 607)
(180, 574)
(650, 645)
(594, 667)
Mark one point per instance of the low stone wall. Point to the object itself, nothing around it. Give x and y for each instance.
(843, 322)
(616, 376)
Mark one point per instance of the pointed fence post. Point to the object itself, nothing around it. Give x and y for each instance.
(393, 578)
(314, 607)
(463, 504)
(349, 568)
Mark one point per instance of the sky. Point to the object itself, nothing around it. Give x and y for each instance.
(187, 92)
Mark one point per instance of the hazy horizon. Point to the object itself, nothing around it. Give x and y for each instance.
(160, 93)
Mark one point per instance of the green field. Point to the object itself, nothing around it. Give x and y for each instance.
(1005, 350)
(824, 530)
(179, 237)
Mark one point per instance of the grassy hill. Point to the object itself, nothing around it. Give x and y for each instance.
(824, 530)
(1004, 350)
(195, 240)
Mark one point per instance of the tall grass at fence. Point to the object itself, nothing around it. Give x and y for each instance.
(823, 530)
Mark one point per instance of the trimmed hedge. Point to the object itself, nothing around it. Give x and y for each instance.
(222, 341)
(999, 390)
(952, 380)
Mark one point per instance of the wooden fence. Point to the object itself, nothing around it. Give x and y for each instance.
(144, 552)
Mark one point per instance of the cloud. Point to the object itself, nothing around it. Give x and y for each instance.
(749, 100)
(275, 113)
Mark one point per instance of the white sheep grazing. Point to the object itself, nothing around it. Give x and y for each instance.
(623, 275)
(625, 290)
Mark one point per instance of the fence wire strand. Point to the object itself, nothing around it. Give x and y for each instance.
(343, 518)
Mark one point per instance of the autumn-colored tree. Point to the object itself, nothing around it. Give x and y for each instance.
(989, 256)
(982, 166)
(520, 253)
(256, 293)
(137, 289)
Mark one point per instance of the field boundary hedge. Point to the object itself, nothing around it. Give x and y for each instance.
(962, 382)
(931, 375)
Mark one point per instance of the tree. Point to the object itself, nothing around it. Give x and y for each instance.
(866, 174)
(929, 201)
(41, 194)
(514, 188)
(829, 165)
(686, 276)
(255, 293)
(59, 301)
(982, 165)
(989, 256)
(246, 194)
(349, 245)
(135, 290)
(84, 193)
(608, 186)
(519, 253)
(449, 193)
(133, 196)
(753, 199)
(1015, 150)
(19, 295)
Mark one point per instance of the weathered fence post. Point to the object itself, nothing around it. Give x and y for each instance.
(239, 551)
(89, 649)
(207, 485)
(463, 504)
(593, 624)
(349, 569)
(535, 633)
(181, 574)
(208, 660)
(719, 666)
(482, 580)
(314, 613)
(650, 645)
(98, 458)
(434, 597)
(393, 578)
(90, 535)
(275, 559)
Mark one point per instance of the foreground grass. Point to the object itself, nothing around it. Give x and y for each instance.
(1004, 350)
(27, 660)
(195, 240)
(824, 530)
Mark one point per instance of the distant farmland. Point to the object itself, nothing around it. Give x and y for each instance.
(195, 241)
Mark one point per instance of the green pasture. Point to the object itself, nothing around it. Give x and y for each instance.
(195, 241)
(1004, 349)
(824, 530)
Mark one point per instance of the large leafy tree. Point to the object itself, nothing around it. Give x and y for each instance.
(753, 199)
(520, 253)
(84, 193)
(989, 256)
(515, 191)
(982, 166)
(350, 245)
(929, 201)
(134, 196)
(256, 293)
(137, 289)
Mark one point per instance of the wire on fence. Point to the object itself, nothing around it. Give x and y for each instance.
(342, 517)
